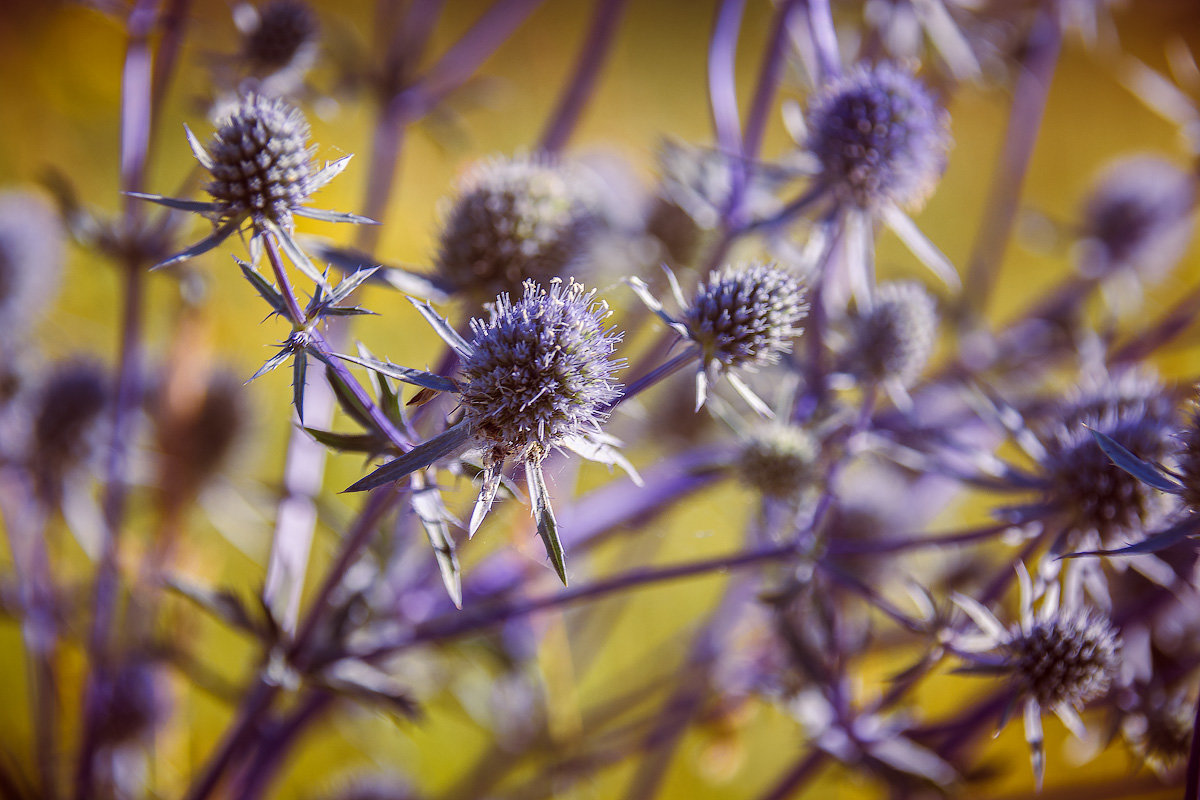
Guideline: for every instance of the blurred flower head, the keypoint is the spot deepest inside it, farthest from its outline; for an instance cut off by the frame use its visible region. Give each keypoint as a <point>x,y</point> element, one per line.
<point>879,137</point>
<point>278,35</point>
<point>778,460</point>
<point>894,339</point>
<point>1139,216</point>
<point>68,407</point>
<point>515,219</point>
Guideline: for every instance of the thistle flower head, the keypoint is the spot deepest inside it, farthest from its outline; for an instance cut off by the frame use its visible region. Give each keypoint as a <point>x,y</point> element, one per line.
<point>69,405</point>
<point>31,255</point>
<point>131,703</point>
<point>196,429</point>
<point>539,371</point>
<point>896,337</point>
<point>514,219</point>
<point>778,460</point>
<point>261,162</point>
<point>879,136</point>
<point>1159,730</point>
<point>1139,216</point>
<point>747,315</point>
<point>283,34</point>
<point>1070,658</point>
<point>1082,481</point>
<point>1059,657</point>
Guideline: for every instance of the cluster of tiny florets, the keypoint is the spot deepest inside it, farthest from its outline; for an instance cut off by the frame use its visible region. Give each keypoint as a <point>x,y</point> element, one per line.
<point>285,29</point>
<point>879,137</point>
<point>515,219</point>
<point>778,460</point>
<point>1083,481</point>
<point>895,339</point>
<point>262,163</point>
<point>540,371</point>
<point>1139,217</point>
<point>1071,658</point>
<point>1160,732</point>
<point>747,315</point>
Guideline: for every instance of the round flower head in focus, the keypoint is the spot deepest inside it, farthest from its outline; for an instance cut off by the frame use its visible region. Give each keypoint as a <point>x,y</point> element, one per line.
<point>261,162</point>
<point>540,371</point>
<point>1059,657</point>
<point>31,255</point>
<point>537,374</point>
<point>746,316</point>
<point>879,137</point>
<point>893,341</point>
<point>281,34</point>
<point>743,316</point>
<point>1140,216</point>
<point>512,220</point>
<point>778,460</point>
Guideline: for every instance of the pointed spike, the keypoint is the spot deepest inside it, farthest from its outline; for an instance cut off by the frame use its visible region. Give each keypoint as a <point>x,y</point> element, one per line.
<point>299,376</point>
<point>487,494</point>
<point>451,441</point>
<point>547,525</point>
<point>198,150</point>
<point>442,328</point>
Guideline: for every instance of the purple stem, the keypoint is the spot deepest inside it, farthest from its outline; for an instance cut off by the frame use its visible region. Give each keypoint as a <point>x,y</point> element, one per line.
<point>270,757</point>
<point>768,81</point>
<point>464,623</point>
<point>403,55</point>
<point>412,103</point>
<point>134,139</point>
<point>723,104</point>
<point>654,376</point>
<point>235,746</point>
<point>1024,122</point>
<point>801,773</point>
<point>820,24</point>
<point>601,33</point>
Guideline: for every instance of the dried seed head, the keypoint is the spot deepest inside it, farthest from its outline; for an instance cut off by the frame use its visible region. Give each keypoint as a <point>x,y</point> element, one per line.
<point>880,137</point>
<point>1139,216</point>
<point>515,219</point>
<point>68,407</point>
<point>778,460</point>
<point>895,339</point>
<point>1071,658</point>
<point>31,255</point>
<point>196,434</point>
<point>1160,731</point>
<point>284,34</point>
<point>1136,411</point>
<point>130,703</point>
<point>539,372</point>
<point>746,316</point>
<point>262,164</point>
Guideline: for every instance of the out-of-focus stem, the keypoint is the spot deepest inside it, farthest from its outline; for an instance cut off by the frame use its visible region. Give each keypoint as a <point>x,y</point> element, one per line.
<point>134,142</point>
<point>257,700</point>
<point>820,24</point>
<point>1024,122</point>
<point>465,623</point>
<point>801,773</point>
<point>270,756</point>
<point>417,99</point>
<point>654,376</point>
<point>601,32</point>
<point>768,80</point>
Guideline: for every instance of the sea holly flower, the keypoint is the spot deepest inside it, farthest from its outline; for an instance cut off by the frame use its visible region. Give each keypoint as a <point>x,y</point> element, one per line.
<point>742,316</point>
<point>278,37</point>
<point>512,220</point>
<point>537,374</point>
<point>262,174</point>
<point>876,139</point>
<point>893,340</point>
<point>1058,658</point>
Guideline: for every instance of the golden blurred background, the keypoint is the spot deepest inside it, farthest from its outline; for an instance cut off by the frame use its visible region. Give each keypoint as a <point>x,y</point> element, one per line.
<point>60,66</point>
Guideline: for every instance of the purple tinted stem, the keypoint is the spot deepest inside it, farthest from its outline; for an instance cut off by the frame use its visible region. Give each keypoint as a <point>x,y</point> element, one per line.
<point>601,33</point>
<point>801,773</point>
<point>820,24</point>
<point>1024,122</point>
